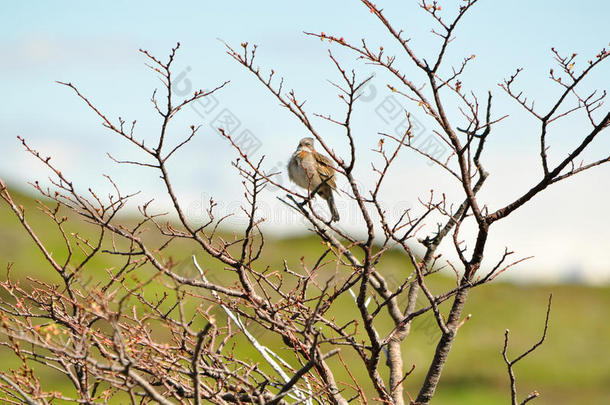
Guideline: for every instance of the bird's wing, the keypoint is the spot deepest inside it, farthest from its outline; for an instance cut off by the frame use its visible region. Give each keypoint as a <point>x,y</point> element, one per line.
<point>326,169</point>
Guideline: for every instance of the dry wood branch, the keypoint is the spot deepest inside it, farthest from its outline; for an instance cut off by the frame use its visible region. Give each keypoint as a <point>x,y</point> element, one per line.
<point>511,363</point>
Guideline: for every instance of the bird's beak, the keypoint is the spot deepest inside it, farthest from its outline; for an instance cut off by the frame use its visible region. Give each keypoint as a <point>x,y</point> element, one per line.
<point>304,148</point>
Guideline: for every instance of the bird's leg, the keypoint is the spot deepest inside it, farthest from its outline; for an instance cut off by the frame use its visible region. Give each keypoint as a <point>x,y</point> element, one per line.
<point>313,192</point>
<point>303,203</point>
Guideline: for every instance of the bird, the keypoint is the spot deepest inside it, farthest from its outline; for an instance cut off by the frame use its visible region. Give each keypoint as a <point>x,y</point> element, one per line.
<point>315,172</point>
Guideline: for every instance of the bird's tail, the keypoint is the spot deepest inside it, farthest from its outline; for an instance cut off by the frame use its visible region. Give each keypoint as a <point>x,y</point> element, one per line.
<point>332,207</point>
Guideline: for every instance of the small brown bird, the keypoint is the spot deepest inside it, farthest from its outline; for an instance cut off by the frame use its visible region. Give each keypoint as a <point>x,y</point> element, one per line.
<point>314,172</point>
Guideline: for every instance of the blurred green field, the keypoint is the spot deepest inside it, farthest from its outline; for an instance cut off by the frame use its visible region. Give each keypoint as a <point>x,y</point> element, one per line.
<point>572,367</point>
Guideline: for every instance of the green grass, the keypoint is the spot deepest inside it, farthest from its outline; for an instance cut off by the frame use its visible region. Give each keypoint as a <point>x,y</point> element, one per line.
<point>571,367</point>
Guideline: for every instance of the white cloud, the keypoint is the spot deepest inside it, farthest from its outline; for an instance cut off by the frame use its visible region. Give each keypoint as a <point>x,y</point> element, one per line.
<point>38,50</point>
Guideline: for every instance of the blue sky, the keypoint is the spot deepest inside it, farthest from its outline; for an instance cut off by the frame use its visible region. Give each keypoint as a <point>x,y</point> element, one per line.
<point>95,45</point>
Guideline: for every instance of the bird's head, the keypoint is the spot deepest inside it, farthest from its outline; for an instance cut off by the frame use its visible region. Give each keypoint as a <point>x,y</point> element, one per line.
<point>306,144</point>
